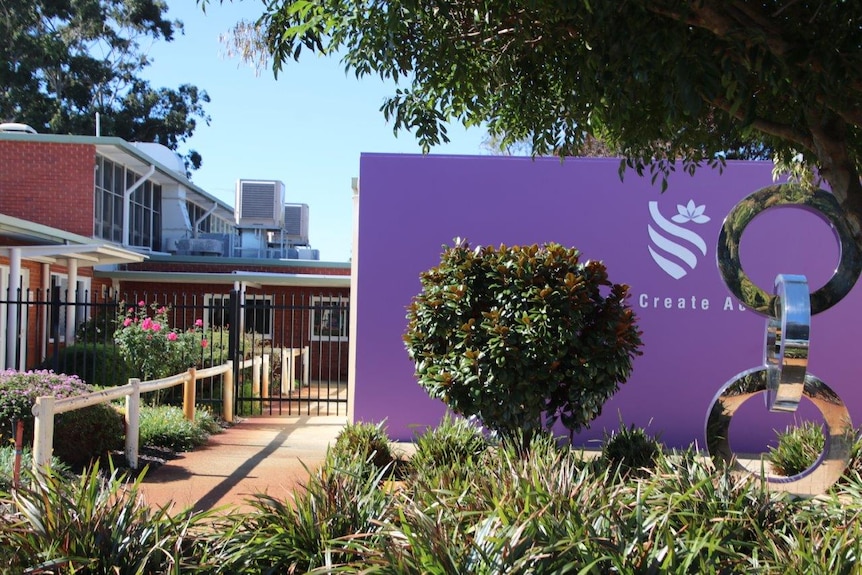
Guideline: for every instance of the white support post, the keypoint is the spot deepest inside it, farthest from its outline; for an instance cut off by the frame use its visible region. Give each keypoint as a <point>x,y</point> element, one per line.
<point>71,300</point>
<point>12,311</point>
<point>133,422</point>
<point>43,433</point>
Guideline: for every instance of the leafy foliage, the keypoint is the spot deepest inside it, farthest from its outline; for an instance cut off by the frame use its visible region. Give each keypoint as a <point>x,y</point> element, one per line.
<point>166,426</point>
<point>368,440</point>
<point>64,61</point>
<point>631,449</point>
<point>659,82</point>
<point>19,390</point>
<point>455,441</point>
<point>94,525</point>
<point>98,364</point>
<point>521,336</point>
<point>537,510</point>
<point>7,463</point>
<point>151,347</point>
<point>84,435</point>
<point>798,448</point>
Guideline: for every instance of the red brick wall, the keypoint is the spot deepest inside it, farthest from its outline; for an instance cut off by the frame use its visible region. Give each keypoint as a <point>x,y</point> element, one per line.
<point>48,183</point>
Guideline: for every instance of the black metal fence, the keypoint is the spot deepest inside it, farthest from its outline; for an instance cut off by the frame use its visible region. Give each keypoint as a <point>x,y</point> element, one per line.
<point>303,337</point>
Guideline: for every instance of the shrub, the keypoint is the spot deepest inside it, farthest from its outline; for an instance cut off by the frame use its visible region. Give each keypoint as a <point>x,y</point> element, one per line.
<point>166,426</point>
<point>19,390</point>
<point>366,441</point>
<point>798,448</point>
<point>83,435</point>
<point>150,347</point>
<point>101,365</point>
<point>456,445</point>
<point>631,450</point>
<point>521,336</point>
<point>94,525</point>
<point>7,466</point>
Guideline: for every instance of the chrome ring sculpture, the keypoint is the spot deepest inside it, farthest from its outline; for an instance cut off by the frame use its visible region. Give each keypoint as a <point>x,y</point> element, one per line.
<point>784,376</point>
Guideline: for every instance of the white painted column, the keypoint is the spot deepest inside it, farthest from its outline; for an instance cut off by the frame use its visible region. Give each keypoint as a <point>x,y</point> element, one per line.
<point>12,307</point>
<point>71,300</point>
<point>354,297</point>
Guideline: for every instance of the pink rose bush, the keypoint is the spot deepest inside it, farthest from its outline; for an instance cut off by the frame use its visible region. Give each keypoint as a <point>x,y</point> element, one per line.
<point>151,347</point>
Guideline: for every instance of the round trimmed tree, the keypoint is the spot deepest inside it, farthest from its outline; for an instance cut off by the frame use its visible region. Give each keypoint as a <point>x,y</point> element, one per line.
<point>521,336</point>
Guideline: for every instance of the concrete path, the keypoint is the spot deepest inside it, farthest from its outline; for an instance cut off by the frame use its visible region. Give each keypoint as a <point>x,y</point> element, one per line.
<point>258,455</point>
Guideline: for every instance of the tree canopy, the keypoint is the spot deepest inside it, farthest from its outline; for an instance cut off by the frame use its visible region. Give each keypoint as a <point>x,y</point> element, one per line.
<point>666,83</point>
<point>63,61</point>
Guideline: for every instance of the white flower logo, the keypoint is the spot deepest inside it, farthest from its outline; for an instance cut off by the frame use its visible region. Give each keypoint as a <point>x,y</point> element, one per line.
<point>690,213</point>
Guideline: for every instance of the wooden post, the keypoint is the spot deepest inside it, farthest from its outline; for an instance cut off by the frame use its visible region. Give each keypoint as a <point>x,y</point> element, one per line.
<point>43,433</point>
<point>255,376</point>
<point>19,446</point>
<point>227,393</point>
<point>265,375</point>
<point>189,386</point>
<point>133,422</point>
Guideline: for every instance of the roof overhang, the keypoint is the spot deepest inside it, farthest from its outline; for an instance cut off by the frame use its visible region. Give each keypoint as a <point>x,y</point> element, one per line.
<point>86,255</point>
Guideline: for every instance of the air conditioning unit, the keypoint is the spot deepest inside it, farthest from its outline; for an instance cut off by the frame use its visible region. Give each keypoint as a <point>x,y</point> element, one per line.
<point>259,204</point>
<point>296,224</point>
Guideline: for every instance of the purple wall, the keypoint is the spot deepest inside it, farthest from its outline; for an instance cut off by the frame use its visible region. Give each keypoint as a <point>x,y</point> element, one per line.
<point>411,205</point>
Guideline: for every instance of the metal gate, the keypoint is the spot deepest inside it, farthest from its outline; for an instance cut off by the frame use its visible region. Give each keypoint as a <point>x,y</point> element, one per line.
<point>302,336</point>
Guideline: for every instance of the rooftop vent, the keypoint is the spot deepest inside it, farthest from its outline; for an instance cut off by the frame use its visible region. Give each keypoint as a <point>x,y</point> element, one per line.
<point>259,204</point>
<point>296,224</point>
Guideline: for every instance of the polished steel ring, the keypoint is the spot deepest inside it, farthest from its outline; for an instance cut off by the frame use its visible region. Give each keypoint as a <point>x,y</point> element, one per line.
<point>819,202</point>
<point>787,342</point>
<point>814,480</point>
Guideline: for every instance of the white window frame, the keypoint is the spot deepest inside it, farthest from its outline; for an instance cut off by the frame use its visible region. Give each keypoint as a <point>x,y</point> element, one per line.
<point>341,320</point>
<point>225,298</point>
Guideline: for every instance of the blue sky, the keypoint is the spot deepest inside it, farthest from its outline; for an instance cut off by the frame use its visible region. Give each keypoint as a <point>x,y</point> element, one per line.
<point>307,129</point>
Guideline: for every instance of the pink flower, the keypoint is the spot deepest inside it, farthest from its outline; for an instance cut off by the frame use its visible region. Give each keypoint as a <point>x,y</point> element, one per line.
<point>131,310</point>
<point>146,324</point>
<point>204,343</point>
<point>199,323</point>
<point>172,336</point>
<point>156,326</point>
<point>162,309</point>
<point>127,322</point>
<point>142,303</point>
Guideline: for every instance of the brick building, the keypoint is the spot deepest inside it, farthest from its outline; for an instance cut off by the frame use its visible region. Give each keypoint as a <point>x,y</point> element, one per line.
<point>85,218</point>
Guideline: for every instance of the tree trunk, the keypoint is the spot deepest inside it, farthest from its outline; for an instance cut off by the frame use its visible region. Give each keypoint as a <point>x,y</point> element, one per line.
<point>830,140</point>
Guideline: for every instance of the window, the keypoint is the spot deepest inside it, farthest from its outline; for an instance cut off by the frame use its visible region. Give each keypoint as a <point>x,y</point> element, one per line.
<point>211,223</point>
<point>257,309</point>
<point>60,294</point>
<point>330,318</point>
<point>145,206</point>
